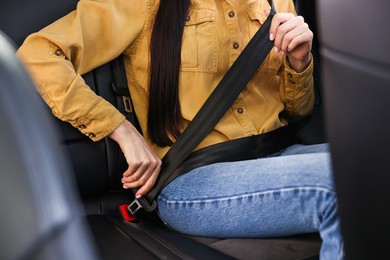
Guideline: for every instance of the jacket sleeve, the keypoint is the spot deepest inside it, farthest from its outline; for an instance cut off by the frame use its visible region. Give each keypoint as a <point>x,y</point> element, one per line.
<point>95,33</point>
<point>297,89</point>
<point>297,92</point>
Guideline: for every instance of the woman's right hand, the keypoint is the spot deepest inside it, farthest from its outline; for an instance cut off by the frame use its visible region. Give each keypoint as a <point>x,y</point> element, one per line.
<point>144,165</point>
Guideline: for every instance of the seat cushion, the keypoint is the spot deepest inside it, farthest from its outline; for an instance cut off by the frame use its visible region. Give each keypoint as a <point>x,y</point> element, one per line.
<point>149,238</point>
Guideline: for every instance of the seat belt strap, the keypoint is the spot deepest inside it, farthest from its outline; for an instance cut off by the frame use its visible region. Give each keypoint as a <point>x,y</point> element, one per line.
<point>121,89</point>
<point>226,92</point>
<point>246,148</point>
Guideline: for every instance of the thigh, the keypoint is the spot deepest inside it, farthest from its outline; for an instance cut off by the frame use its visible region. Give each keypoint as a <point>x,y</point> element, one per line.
<point>274,196</point>
<point>303,149</point>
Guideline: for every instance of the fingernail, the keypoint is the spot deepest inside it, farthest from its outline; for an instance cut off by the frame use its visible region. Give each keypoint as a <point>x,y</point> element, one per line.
<point>123,181</point>
<point>283,53</point>
<point>271,37</point>
<point>276,49</point>
<point>125,187</point>
<point>138,196</point>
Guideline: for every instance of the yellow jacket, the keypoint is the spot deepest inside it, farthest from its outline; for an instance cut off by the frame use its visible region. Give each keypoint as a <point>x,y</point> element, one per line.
<point>215,33</point>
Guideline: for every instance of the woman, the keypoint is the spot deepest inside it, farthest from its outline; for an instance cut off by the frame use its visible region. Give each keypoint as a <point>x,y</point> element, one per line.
<point>176,53</point>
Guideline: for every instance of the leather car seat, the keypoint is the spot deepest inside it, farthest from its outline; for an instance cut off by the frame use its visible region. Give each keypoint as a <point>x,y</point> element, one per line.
<point>355,40</point>
<point>40,211</point>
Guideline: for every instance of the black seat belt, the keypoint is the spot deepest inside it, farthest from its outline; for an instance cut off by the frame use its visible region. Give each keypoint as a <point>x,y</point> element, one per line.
<point>226,92</point>
<point>121,89</point>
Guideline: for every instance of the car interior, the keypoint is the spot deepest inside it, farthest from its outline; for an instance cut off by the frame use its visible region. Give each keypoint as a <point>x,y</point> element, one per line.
<point>66,204</point>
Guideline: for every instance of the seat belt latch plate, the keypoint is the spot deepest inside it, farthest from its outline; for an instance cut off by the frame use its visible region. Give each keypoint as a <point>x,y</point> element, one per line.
<point>134,207</point>
<point>138,204</point>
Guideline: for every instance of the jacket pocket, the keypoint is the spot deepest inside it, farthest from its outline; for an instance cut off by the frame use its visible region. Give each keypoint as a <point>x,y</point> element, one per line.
<point>274,61</point>
<point>199,48</point>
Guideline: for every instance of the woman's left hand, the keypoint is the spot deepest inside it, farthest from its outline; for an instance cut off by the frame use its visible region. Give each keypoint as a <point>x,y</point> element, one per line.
<point>292,36</point>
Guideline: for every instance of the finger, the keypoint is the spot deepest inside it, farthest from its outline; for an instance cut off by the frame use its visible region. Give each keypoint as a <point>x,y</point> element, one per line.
<point>290,36</point>
<point>284,29</point>
<point>154,169</point>
<point>143,167</point>
<point>148,179</point>
<point>134,163</point>
<point>130,170</point>
<point>149,183</point>
<point>130,183</point>
<point>139,161</point>
<point>267,11</point>
<point>277,20</point>
<point>146,166</point>
<point>305,37</point>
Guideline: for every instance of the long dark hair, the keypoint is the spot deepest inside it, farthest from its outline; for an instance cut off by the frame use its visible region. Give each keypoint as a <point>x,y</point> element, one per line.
<point>164,114</point>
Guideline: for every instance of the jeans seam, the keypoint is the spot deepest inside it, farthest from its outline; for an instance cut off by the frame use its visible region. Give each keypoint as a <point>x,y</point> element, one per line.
<point>239,196</point>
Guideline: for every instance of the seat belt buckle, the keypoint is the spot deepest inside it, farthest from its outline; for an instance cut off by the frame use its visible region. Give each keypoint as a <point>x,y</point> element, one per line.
<point>141,203</point>
<point>125,214</point>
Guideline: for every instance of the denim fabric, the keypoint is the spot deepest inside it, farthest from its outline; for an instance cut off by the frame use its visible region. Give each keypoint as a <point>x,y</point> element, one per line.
<point>290,192</point>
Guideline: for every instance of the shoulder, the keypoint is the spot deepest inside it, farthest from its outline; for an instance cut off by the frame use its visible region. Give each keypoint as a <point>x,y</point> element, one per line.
<point>129,8</point>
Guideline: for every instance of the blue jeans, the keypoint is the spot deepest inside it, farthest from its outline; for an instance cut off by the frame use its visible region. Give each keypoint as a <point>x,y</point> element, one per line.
<point>290,192</point>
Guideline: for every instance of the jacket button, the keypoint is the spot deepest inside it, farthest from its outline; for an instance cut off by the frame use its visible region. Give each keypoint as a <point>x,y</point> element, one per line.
<point>58,52</point>
<point>231,14</point>
<point>82,126</point>
<point>240,110</point>
<point>188,18</point>
<point>236,45</point>
<point>91,135</point>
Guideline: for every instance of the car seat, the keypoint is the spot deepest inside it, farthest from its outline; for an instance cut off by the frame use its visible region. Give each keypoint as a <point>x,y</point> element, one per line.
<point>103,163</point>
<point>40,212</point>
<point>355,40</point>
